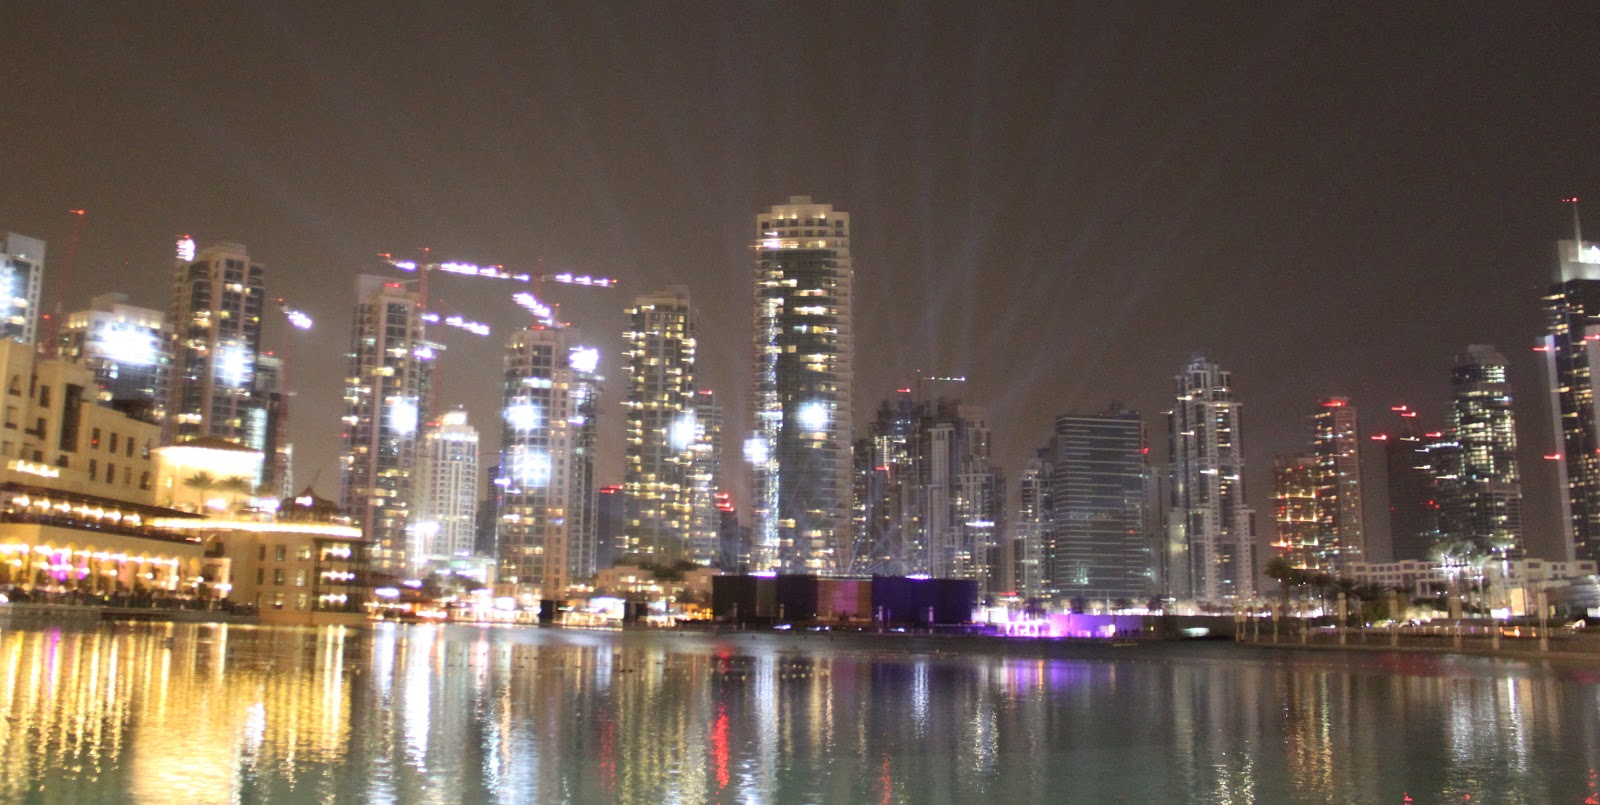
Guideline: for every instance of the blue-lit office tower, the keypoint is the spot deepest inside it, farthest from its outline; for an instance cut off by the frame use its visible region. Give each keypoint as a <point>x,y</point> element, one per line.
<point>1210,552</point>
<point>21,276</point>
<point>705,473</point>
<point>1572,353</point>
<point>126,348</point>
<point>543,427</point>
<point>214,341</point>
<point>661,427</point>
<point>1097,541</point>
<point>1483,494</point>
<point>800,447</point>
<point>585,552</point>
<point>385,393</point>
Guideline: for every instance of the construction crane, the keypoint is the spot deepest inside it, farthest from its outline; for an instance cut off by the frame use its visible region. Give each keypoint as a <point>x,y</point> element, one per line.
<point>530,301</point>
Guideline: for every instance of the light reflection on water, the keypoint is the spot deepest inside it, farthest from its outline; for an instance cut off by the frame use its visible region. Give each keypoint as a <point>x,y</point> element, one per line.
<point>443,714</point>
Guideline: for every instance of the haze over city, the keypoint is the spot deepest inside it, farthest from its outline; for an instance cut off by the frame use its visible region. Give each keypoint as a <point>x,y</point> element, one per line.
<point>1062,204</point>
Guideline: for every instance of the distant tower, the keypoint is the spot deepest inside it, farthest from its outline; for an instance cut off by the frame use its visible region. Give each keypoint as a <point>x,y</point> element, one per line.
<point>21,274</point>
<point>1336,446</point>
<point>1211,530</point>
<point>800,448</point>
<point>1097,545</point>
<point>953,494</point>
<point>1032,567</point>
<point>446,499</point>
<point>1295,498</point>
<point>705,473</point>
<point>126,348</point>
<point>215,318</point>
<point>1413,488</point>
<point>583,518</point>
<point>1484,504</point>
<point>272,430</point>
<point>385,392</point>
<point>661,424</point>
<point>1572,354</point>
<point>536,448</point>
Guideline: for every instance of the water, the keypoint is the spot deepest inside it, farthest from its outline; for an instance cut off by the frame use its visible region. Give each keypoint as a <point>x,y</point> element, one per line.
<point>203,714</point>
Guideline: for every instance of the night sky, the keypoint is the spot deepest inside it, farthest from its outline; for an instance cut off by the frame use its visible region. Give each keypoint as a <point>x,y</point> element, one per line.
<point>1063,203</point>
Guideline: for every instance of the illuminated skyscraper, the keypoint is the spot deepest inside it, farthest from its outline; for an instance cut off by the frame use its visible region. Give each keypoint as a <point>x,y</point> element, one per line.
<point>1028,535</point>
<point>705,473</point>
<point>126,348</point>
<point>1097,546</point>
<point>583,518</point>
<point>446,499</point>
<point>882,475</point>
<point>952,510</point>
<point>800,448</point>
<point>1336,446</point>
<point>1211,541</point>
<point>215,339</point>
<point>1294,488</point>
<point>385,393</point>
<point>1572,356</point>
<point>1483,504</point>
<point>661,425</point>
<point>536,454</point>
<point>21,275</point>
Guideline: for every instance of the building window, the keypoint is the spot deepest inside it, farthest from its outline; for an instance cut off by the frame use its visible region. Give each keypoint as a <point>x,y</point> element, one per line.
<point>94,438</point>
<point>113,442</point>
<point>305,553</point>
<point>111,473</point>
<point>144,480</point>
<point>277,578</point>
<point>44,396</point>
<point>261,553</point>
<point>261,576</point>
<point>279,553</point>
<point>300,578</point>
<point>93,469</point>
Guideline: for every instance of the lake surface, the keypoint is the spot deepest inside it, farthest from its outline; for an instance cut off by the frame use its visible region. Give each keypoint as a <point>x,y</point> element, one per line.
<point>176,714</point>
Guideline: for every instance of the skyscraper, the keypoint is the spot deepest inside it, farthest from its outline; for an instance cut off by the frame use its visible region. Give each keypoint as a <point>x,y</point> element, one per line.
<point>1097,545</point>
<point>271,428</point>
<point>705,474</point>
<point>21,275</point>
<point>800,450</point>
<point>1031,569</point>
<point>1211,531</point>
<point>126,348</point>
<point>1336,446</point>
<point>882,478</point>
<point>1413,488</point>
<point>661,425</point>
<point>1483,507</point>
<point>215,339</point>
<point>1294,482</point>
<point>583,526</point>
<point>953,494</point>
<point>385,393</point>
<point>1572,355</point>
<point>446,497</point>
<point>536,454</point>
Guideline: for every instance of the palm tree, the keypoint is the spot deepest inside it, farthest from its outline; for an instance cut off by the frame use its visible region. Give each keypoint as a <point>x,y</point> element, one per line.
<point>236,486</point>
<point>202,482</point>
<point>1280,569</point>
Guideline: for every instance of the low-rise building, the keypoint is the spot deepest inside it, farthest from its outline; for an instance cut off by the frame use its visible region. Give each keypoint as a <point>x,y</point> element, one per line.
<point>1509,587</point>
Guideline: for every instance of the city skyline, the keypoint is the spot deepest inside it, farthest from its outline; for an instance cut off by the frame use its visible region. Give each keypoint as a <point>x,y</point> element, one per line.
<point>952,255</point>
